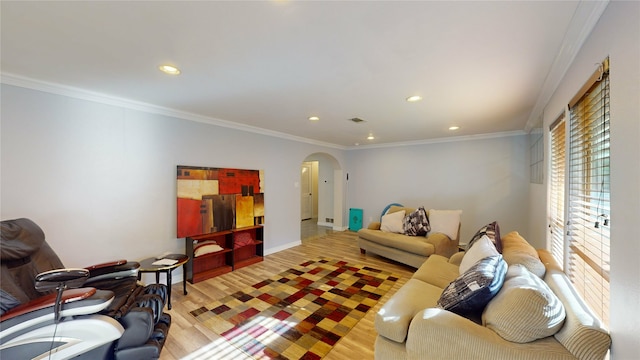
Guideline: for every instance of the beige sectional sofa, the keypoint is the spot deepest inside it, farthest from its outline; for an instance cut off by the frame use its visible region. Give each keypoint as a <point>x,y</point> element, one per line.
<point>521,321</point>
<point>412,250</point>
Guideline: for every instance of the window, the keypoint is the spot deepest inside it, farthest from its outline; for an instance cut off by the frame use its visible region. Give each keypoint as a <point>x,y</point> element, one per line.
<point>556,185</point>
<point>581,173</point>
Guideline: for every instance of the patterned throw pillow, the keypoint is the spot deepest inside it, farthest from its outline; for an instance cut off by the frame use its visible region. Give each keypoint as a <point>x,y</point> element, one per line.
<point>417,223</point>
<point>472,291</point>
<point>492,231</point>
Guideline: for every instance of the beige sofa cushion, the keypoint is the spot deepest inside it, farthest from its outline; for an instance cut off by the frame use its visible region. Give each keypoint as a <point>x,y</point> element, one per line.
<point>516,250</point>
<point>393,319</point>
<point>413,244</point>
<point>438,271</point>
<point>525,309</point>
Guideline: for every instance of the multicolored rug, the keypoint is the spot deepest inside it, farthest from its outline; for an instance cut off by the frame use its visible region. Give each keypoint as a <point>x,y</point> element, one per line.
<point>300,313</point>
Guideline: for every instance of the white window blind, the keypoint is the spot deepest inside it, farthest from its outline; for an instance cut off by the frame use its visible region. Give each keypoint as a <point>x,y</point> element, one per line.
<point>588,225</point>
<point>556,189</point>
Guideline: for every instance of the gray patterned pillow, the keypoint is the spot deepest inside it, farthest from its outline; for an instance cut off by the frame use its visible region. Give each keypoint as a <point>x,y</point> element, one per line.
<point>416,223</point>
<point>472,290</point>
<point>492,231</point>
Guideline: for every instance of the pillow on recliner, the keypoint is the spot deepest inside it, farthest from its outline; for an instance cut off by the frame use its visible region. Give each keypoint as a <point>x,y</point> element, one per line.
<point>417,223</point>
<point>393,222</point>
<point>7,302</point>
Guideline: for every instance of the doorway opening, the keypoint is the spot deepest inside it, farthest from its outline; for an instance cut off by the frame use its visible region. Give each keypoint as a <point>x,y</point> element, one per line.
<point>321,196</point>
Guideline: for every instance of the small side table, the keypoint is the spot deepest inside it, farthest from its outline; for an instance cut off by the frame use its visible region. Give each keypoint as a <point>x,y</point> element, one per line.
<point>146,266</point>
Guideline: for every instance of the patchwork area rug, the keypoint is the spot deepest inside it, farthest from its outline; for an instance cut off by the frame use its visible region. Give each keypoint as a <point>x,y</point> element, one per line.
<point>300,313</point>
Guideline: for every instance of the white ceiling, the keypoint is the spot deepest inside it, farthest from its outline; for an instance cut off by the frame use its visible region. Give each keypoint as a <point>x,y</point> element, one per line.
<point>484,66</point>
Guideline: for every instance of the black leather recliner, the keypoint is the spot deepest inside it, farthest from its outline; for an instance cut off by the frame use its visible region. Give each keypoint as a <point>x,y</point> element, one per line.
<point>43,312</point>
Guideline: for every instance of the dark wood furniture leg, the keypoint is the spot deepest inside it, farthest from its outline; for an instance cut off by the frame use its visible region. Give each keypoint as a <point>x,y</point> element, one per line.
<point>184,278</point>
<point>169,289</point>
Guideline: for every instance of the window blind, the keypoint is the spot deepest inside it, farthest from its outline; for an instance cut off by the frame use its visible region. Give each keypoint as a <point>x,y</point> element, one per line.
<point>556,189</point>
<point>588,226</point>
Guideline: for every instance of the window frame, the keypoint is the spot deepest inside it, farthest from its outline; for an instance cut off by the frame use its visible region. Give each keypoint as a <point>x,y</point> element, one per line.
<point>583,219</point>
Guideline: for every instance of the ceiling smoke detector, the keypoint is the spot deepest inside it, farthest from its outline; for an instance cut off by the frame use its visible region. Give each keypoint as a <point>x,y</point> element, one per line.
<point>356,120</point>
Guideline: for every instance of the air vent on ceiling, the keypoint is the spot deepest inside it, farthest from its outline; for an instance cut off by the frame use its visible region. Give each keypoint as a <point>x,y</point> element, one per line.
<point>356,120</point>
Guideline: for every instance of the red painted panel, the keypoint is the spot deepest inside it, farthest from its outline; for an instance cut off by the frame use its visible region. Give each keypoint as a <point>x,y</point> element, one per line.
<point>231,181</point>
<point>189,218</point>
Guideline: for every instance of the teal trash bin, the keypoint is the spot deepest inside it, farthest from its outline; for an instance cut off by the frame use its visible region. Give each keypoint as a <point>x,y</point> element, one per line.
<point>355,219</point>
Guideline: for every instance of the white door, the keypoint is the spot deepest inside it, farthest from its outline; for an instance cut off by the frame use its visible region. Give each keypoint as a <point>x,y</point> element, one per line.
<point>306,195</point>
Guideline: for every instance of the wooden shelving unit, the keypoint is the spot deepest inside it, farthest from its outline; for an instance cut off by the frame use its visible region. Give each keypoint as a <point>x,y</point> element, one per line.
<point>241,247</point>
<point>247,254</point>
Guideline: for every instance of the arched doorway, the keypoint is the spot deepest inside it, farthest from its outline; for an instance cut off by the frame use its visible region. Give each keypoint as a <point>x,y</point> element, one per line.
<point>321,196</point>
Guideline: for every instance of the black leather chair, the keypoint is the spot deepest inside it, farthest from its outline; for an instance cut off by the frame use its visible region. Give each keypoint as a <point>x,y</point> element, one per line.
<point>44,312</point>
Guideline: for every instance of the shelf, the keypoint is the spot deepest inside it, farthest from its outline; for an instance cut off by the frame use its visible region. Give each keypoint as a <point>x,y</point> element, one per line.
<point>214,254</point>
<point>246,262</point>
<point>214,264</point>
<point>208,274</point>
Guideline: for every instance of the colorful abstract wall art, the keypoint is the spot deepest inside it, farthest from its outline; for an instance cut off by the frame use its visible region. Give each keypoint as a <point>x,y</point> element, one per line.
<point>218,199</point>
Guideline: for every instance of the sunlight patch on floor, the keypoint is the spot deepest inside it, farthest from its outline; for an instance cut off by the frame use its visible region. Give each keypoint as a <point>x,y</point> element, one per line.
<point>218,349</point>
<point>221,349</point>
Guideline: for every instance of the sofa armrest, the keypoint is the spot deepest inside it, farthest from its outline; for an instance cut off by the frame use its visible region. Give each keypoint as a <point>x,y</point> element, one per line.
<point>442,244</point>
<point>456,258</point>
<point>374,225</point>
<point>394,317</point>
<point>440,334</point>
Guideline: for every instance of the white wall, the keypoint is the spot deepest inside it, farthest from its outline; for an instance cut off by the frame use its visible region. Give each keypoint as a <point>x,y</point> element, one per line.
<point>616,35</point>
<point>487,178</point>
<point>101,179</point>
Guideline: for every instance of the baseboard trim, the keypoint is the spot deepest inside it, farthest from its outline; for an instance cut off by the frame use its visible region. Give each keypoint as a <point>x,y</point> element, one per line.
<point>286,246</point>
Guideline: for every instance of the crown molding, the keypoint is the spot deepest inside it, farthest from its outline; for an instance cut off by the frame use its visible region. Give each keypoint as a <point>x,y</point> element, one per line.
<point>441,140</point>
<point>584,20</point>
<point>83,94</point>
<point>78,93</point>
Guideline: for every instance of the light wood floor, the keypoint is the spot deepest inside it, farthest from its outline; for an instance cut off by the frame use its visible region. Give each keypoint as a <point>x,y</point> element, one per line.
<point>188,339</point>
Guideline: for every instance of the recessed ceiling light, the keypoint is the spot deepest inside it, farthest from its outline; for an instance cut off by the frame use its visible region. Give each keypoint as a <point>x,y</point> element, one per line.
<point>314,118</point>
<point>414,98</point>
<point>370,137</point>
<point>454,128</point>
<point>169,69</point>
